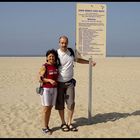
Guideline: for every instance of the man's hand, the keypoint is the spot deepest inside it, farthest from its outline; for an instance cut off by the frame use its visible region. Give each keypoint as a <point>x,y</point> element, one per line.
<point>93,63</point>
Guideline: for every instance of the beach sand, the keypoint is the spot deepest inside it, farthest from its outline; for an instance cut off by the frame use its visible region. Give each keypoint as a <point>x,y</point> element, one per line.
<point>115,99</point>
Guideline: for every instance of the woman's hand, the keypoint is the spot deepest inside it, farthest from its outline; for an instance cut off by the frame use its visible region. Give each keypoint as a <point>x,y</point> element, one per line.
<point>53,82</point>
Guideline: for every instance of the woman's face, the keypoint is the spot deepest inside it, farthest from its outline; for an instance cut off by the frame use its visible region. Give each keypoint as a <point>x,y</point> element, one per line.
<point>51,58</point>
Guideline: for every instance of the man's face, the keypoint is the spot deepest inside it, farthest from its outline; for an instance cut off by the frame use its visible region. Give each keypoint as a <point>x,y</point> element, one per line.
<point>63,44</point>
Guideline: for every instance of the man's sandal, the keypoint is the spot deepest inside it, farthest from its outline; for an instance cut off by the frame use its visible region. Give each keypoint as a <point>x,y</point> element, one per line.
<point>72,128</point>
<point>64,127</point>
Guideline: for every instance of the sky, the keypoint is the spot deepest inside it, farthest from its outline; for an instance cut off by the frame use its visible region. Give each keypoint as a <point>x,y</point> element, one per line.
<point>31,28</point>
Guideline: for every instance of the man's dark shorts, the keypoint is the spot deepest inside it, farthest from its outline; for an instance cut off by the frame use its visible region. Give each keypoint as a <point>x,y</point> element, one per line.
<point>66,94</point>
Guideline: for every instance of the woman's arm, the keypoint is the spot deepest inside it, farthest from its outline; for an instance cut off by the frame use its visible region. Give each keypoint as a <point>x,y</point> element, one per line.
<point>41,73</point>
<point>45,80</point>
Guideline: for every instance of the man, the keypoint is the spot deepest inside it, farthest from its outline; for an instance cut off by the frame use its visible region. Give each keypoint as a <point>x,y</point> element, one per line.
<point>66,83</point>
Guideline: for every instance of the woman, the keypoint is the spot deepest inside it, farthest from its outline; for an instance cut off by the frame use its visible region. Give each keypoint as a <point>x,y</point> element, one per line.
<point>48,77</point>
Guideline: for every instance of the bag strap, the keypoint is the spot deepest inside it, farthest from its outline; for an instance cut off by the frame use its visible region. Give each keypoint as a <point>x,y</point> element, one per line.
<point>71,52</point>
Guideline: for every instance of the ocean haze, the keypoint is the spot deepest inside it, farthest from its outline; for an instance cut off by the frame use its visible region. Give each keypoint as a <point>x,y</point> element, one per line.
<point>31,28</point>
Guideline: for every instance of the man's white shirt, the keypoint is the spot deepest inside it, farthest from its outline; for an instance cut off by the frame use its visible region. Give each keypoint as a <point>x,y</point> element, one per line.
<point>66,68</point>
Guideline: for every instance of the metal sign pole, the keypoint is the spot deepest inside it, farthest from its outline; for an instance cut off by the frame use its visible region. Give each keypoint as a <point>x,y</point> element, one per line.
<point>90,91</point>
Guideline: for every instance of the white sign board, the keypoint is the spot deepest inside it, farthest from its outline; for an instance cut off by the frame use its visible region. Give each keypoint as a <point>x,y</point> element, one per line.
<point>91,30</point>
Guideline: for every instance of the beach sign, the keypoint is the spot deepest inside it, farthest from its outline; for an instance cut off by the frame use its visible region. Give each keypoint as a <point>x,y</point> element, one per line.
<point>91,30</point>
<point>90,38</point>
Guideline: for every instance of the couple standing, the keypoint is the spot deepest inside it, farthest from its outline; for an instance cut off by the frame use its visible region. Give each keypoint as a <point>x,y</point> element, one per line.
<point>58,84</point>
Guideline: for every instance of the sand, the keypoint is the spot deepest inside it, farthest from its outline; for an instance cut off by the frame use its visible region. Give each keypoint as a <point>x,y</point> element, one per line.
<point>115,99</point>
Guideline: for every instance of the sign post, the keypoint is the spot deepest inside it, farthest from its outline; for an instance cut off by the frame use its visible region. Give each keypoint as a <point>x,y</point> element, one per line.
<point>90,91</point>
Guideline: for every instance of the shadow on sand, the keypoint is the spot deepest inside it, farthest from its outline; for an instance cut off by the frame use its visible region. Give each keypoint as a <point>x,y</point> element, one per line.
<point>101,118</point>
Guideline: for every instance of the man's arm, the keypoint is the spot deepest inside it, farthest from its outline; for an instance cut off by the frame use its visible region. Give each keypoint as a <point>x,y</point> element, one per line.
<point>79,59</point>
<point>83,61</point>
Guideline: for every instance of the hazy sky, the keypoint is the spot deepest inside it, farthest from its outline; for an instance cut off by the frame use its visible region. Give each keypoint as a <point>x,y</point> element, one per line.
<point>30,28</point>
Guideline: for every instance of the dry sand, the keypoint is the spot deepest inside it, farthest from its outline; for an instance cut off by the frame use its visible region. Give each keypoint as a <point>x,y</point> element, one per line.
<point>115,99</point>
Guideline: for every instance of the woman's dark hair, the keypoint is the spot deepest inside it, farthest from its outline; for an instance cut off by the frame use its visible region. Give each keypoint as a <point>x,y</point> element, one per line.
<point>54,52</point>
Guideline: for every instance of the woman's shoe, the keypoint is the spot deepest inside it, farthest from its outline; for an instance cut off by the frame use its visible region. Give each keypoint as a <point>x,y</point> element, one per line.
<point>47,130</point>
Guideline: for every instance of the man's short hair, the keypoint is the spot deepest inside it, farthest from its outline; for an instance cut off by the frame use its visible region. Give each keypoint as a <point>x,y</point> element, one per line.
<point>63,37</point>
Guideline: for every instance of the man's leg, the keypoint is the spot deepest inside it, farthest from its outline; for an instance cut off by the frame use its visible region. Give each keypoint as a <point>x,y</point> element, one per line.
<point>70,100</point>
<point>60,101</point>
<point>60,106</point>
<point>62,116</point>
<point>70,116</point>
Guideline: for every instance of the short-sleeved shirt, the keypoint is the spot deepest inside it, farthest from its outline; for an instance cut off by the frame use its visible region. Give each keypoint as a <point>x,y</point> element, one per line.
<point>50,73</point>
